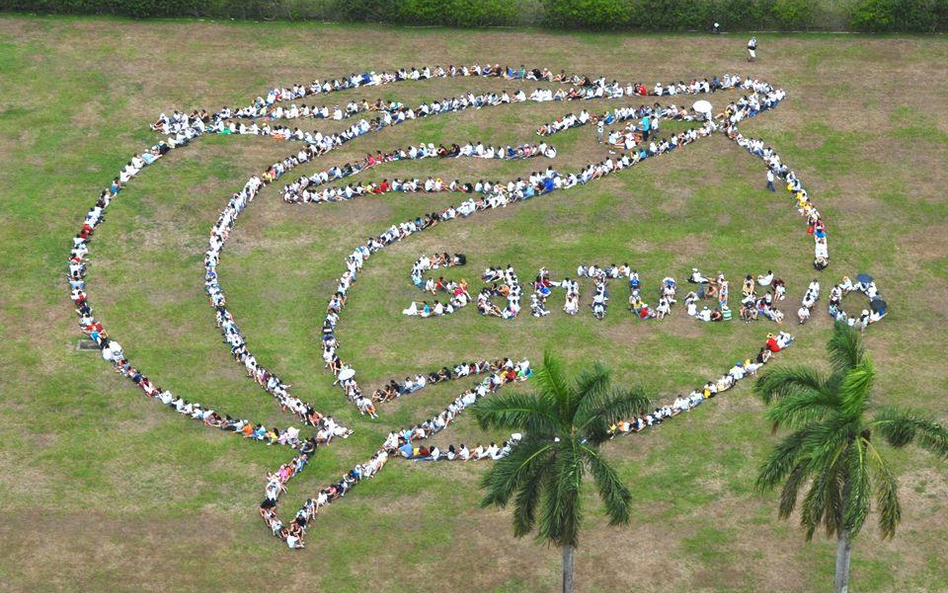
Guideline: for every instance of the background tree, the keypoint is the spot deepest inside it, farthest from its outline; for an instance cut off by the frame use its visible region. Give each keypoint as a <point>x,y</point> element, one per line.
<point>831,449</point>
<point>563,424</point>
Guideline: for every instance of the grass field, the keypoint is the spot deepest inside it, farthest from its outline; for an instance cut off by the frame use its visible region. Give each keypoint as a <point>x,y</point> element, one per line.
<point>103,490</point>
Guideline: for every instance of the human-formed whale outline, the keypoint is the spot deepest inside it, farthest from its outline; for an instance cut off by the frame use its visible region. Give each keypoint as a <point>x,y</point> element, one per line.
<point>184,129</point>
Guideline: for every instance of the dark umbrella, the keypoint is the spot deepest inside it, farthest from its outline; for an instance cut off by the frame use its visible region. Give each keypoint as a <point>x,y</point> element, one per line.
<point>864,278</point>
<point>878,305</point>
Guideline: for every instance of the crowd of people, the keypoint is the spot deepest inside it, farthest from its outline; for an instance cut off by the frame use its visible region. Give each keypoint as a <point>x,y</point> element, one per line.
<point>498,195</point>
<point>491,452</point>
<point>809,301</point>
<point>455,292</point>
<point>395,389</point>
<point>758,297</point>
<point>270,106</point>
<point>306,188</point>
<point>864,284</point>
<point>493,196</point>
<point>318,144</point>
<point>399,443</point>
<point>683,403</point>
<point>227,121</point>
<point>754,305</point>
<point>503,283</point>
<point>292,533</point>
<point>266,379</point>
<point>765,97</point>
<point>113,352</point>
<point>543,286</point>
<point>182,128</point>
<point>645,121</point>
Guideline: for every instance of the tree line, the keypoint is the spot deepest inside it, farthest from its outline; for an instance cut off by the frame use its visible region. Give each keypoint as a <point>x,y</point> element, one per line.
<point>919,16</point>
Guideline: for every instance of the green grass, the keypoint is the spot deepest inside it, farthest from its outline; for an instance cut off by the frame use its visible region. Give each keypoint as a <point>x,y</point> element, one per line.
<point>119,494</point>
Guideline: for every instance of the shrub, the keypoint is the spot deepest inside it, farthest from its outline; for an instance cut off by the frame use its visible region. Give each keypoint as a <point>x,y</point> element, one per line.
<point>481,13</point>
<point>642,15</point>
<point>742,15</point>
<point>793,14</point>
<point>926,16</point>
<point>589,14</point>
<point>874,15</point>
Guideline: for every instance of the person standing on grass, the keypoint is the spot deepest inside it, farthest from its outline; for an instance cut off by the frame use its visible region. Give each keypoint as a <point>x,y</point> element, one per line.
<point>752,49</point>
<point>600,127</point>
<point>770,180</point>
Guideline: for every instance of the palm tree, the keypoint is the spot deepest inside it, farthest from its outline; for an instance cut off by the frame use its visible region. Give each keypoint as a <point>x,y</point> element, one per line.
<point>563,424</point>
<point>831,448</point>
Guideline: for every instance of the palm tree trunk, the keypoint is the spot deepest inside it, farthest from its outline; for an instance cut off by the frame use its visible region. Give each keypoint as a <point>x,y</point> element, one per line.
<point>843,553</point>
<point>568,568</point>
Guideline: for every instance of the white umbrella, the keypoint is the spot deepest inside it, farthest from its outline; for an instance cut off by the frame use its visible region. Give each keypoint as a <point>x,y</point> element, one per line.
<point>702,106</point>
<point>346,374</point>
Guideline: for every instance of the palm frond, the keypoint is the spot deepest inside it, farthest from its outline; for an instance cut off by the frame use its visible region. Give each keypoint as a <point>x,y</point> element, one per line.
<point>561,512</point>
<point>791,489</point>
<point>802,408</point>
<point>823,502</point>
<point>902,427</point>
<point>534,414</point>
<point>592,387</point>
<point>858,488</point>
<point>886,492</point>
<point>812,509</point>
<point>781,382</point>
<point>596,415</point>
<point>856,388</point>
<point>826,445</point>
<point>614,494</point>
<point>507,475</point>
<point>550,380</point>
<point>826,442</point>
<point>528,497</point>
<point>782,460</point>
<point>845,347</point>
<point>833,518</point>
<point>595,379</point>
